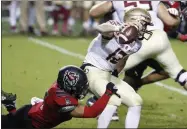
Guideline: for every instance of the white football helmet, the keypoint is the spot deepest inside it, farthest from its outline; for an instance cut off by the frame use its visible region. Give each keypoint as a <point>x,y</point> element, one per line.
<point>141,19</point>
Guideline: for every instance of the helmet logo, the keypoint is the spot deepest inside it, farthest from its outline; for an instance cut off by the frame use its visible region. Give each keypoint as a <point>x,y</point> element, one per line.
<point>70,78</point>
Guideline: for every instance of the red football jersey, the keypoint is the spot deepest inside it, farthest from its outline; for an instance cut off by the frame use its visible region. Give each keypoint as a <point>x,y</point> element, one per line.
<point>54,110</point>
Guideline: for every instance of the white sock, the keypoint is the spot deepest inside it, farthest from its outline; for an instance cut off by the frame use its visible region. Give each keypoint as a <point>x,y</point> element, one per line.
<point>106,116</point>
<point>12,10</point>
<point>133,117</point>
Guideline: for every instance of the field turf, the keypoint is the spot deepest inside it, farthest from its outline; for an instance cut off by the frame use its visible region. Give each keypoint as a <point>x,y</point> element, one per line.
<point>28,69</point>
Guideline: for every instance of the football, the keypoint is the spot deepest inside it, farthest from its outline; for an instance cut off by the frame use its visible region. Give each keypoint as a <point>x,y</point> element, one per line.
<point>129,35</point>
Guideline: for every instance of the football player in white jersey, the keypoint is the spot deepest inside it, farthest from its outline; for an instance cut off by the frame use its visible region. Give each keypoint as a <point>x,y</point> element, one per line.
<point>158,47</point>
<point>104,52</point>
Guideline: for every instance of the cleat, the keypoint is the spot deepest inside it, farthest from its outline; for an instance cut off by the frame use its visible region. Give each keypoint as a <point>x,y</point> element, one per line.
<point>8,100</point>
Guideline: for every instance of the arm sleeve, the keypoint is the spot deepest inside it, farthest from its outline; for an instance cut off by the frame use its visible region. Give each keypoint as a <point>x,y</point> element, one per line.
<point>110,26</point>
<point>107,29</point>
<point>97,107</point>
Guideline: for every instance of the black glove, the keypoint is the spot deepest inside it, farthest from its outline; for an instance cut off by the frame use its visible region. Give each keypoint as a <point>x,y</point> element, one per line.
<point>111,89</point>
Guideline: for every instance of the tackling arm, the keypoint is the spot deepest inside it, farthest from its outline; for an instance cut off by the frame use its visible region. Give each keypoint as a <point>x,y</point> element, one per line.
<point>166,17</point>
<point>100,9</point>
<point>98,107</point>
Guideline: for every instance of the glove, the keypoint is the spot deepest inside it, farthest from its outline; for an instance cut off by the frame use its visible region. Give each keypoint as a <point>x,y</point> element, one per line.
<point>173,11</point>
<point>115,73</point>
<point>111,89</point>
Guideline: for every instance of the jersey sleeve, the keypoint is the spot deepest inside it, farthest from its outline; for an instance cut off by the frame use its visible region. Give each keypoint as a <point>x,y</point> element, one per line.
<point>155,5</point>
<point>107,29</point>
<point>119,7</point>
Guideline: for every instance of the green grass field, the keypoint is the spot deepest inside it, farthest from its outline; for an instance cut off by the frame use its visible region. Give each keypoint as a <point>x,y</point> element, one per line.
<point>29,69</point>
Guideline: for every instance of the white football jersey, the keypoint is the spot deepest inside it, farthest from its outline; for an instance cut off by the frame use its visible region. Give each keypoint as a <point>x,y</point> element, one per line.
<point>151,6</point>
<point>105,54</point>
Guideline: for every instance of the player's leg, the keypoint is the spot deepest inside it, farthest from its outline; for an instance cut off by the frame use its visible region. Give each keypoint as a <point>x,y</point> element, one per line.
<point>131,99</point>
<point>19,119</point>
<point>24,15</point>
<point>31,18</point>
<point>128,96</point>
<point>15,118</point>
<point>55,15</point>
<point>167,58</point>
<point>40,16</point>
<point>66,13</point>
<point>13,19</point>
<point>86,18</point>
<point>97,86</point>
<point>8,100</point>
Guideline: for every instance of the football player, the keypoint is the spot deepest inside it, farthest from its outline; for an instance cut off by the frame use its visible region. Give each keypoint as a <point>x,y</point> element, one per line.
<point>60,103</point>
<point>114,43</point>
<point>158,46</point>
<point>134,77</point>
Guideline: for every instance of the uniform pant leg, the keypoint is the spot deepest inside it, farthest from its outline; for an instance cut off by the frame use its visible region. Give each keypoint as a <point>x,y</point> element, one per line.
<point>19,119</point>
<point>40,14</point>
<point>98,79</point>
<point>24,14</point>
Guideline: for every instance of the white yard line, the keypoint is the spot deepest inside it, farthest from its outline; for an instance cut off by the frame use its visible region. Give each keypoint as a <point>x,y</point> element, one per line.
<point>56,48</point>
<point>67,52</point>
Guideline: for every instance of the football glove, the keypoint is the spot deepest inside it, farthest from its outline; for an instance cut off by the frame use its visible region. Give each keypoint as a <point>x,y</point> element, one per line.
<point>111,89</point>
<point>173,11</point>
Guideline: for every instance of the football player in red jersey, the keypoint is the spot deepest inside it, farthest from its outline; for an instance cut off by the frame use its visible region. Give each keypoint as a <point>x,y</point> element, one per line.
<point>60,103</point>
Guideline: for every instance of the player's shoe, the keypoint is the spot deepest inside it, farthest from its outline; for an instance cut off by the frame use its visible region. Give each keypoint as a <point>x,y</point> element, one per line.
<point>115,116</point>
<point>182,37</point>
<point>8,100</point>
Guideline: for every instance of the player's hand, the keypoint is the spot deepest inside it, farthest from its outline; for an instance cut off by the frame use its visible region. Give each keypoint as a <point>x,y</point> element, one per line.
<point>173,12</point>
<point>111,89</point>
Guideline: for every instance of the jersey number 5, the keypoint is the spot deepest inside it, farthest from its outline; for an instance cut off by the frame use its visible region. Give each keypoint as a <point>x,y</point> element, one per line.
<point>117,55</point>
<point>140,4</point>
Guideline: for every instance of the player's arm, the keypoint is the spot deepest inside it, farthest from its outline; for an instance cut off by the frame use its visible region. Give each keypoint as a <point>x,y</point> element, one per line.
<point>170,16</point>
<point>101,9</point>
<point>97,107</point>
<point>108,28</point>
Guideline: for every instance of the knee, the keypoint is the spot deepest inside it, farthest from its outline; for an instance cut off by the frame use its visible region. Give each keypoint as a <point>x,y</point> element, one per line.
<point>114,100</point>
<point>136,100</point>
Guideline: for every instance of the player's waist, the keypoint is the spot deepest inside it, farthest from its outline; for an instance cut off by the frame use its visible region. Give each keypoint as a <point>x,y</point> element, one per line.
<point>84,65</point>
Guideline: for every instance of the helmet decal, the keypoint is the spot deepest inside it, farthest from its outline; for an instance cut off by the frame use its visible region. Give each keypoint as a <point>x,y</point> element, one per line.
<point>70,78</point>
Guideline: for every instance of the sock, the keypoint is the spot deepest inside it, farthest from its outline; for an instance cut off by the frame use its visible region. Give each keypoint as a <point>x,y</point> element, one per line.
<point>106,116</point>
<point>133,117</point>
